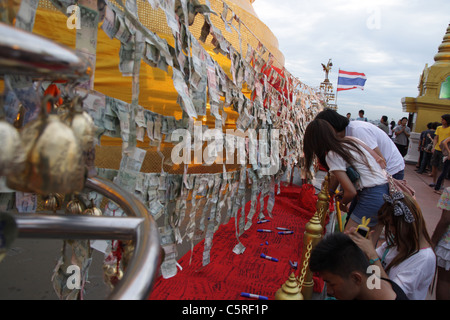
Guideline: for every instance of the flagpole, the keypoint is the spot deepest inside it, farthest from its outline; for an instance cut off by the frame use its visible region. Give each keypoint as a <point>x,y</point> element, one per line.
<point>337,84</point>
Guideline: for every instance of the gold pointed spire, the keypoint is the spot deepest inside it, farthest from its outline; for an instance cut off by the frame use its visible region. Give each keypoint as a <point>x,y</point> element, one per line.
<point>444,49</point>
<point>289,290</point>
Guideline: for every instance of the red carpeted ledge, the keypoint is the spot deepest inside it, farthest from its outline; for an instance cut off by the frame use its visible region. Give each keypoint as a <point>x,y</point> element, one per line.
<point>229,274</point>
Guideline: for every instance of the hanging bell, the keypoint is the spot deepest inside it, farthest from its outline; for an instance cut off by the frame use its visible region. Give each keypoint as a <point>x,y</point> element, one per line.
<point>53,157</point>
<point>92,210</point>
<point>75,206</point>
<point>83,128</point>
<point>53,202</point>
<point>112,274</point>
<point>80,122</point>
<point>12,155</point>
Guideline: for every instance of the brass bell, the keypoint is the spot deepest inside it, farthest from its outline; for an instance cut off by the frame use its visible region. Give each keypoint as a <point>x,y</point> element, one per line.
<point>75,206</point>
<point>53,202</point>
<point>53,158</point>
<point>82,125</point>
<point>12,155</point>
<point>80,122</point>
<point>92,210</point>
<point>112,274</point>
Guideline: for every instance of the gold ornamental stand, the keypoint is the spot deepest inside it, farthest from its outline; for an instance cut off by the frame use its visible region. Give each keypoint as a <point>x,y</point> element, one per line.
<point>301,288</point>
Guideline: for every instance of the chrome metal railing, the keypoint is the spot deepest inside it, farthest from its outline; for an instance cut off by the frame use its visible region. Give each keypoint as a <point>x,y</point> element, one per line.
<point>139,226</point>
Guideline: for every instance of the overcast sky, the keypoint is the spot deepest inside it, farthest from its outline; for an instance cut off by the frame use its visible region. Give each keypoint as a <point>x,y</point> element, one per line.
<point>388,40</point>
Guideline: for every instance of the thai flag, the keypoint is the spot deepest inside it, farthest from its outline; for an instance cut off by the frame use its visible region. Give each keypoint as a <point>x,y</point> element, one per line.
<point>350,80</point>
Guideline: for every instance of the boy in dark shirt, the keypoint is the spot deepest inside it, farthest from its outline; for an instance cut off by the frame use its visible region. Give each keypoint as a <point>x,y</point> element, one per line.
<point>347,272</point>
<point>428,137</point>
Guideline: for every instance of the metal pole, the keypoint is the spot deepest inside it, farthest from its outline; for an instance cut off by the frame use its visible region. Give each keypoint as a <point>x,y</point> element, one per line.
<point>76,227</point>
<point>337,90</point>
<point>139,226</point>
<point>141,272</point>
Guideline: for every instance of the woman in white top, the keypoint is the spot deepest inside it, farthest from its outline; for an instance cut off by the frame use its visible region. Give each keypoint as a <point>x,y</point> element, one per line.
<point>337,154</point>
<point>372,136</point>
<point>406,257</point>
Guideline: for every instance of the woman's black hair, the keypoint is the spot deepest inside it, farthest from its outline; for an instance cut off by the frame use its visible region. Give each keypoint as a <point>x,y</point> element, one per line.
<point>337,121</point>
<point>446,117</point>
<point>320,138</point>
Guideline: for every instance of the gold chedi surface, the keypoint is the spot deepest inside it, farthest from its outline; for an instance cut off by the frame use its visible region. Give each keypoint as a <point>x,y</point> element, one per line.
<point>156,88</point>
<point>432,101</point>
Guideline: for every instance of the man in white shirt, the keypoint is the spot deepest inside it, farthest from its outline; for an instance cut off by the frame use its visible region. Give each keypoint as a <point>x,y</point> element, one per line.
<point>371,135</point>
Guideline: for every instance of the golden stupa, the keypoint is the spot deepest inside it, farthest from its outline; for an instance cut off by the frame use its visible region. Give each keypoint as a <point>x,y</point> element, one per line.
<point>156,88</point>
<point>434,89</point>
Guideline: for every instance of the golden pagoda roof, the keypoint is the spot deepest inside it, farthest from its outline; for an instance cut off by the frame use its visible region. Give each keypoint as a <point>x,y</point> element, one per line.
<point>432,103</point>
<point>444,49</point>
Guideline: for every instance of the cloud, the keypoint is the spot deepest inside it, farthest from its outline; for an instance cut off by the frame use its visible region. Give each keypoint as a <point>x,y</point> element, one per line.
<point>389,40</point>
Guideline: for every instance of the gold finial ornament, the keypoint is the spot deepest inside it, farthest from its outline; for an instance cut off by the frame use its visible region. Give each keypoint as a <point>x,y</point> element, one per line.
<point>290,290</point>
<point>444,49</point>
<point>313,234</point>
<point>314,226</point>
<point>323,201</point>
<point>433,95</point>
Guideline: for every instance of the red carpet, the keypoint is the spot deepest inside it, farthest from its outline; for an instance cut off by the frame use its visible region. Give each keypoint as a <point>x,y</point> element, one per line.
<point>229,274</point>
